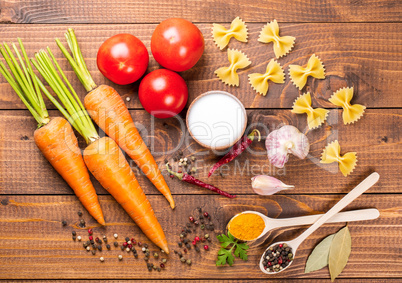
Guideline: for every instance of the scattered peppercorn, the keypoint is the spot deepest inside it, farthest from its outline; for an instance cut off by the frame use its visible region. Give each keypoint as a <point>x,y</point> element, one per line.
<point>91,238</point>
<point>191,219</point>
<point>189,261</point>
<point>182,259</point>
<point>206,247</point>
<point>158,269</point>
<point>120,257</point>
<point>162,265</point>
<point>100,248</point>
<point>74,233</point>
<point>108,246</point>
<point>156,255</point>
<point>139,244</point>
<point>196,222</point>
<point>128,249</point>
<point>64,223</point>
<point>115,236</point>
<point>88,249</point>
<point>93,252</point>
<point>115,244</point>
<point>202,227</point>
<point>101,259</point>
<point>79,238</point>
<point>197,249</point>
<point>82,223</point>
<point>90,231</point>
<point>127,239</point>
<point>206,214</point>
<point>74,238</point>
<point>79,213</point>
<point>146,258</point>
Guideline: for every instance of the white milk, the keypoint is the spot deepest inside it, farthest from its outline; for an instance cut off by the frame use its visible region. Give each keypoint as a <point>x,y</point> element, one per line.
<point>216,120</point>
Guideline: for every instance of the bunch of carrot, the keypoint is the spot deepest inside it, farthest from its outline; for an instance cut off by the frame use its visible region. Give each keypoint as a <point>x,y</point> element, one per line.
<point>102,156</point>
<point>54,137</point>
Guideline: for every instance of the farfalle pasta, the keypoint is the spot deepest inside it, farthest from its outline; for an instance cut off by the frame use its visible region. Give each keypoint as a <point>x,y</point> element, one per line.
<point>315,117</point>
<point>238,60</point>
<point>222,36</point>
<point>332,153</point>
<point>274,72</point>
<point>282,44</point>
<point>299,74</point>
<point>342,98</point>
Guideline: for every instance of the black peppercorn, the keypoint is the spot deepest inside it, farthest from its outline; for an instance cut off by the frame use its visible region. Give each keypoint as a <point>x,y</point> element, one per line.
<point>79,213</point>
<point>93,252</point>
<point>100,248</point>
<point>64,223</point>
<point>74,233</point>
<point>108,246</point>
<point>74,238</point>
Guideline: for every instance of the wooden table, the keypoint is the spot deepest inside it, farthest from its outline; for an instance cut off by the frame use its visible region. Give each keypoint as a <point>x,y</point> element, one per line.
<point>360,44</point>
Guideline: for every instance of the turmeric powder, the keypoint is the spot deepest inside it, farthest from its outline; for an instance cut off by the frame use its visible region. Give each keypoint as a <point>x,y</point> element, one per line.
<point>246,226</point>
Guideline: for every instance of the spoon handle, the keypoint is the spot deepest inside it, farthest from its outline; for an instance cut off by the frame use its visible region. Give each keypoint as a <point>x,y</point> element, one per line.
<point>346,216</point>
<point>352,195</point>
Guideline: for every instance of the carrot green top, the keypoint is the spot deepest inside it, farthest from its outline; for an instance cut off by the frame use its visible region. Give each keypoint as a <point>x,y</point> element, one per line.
<point>74,111</point>
<point>24,82</point>
<point>78,62</point>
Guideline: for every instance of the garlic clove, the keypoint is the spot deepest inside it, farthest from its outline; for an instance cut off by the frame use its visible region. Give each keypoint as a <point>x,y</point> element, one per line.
<point>267,185</point>
<point>281,142</point>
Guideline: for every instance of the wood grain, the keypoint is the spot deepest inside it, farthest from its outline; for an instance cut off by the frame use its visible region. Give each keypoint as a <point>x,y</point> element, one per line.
<point>365,56</point>
<point>125,11</point>
<point>23,170</point>
<point>34,244</point>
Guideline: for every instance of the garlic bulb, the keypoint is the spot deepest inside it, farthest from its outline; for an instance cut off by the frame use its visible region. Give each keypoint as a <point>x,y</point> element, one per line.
<point>283,141</point>
<point>267,185</point>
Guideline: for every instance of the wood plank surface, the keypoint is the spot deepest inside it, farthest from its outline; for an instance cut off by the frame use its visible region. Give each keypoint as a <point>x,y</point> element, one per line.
<point>365,56</point>
<point>375,138</point>
<point>34,245</point>
<point>126,11</point>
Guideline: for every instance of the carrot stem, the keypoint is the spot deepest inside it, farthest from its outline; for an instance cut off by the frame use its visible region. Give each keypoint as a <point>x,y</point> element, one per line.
<point>76,113</point>
<point>77,63</point>
<point>23,81</point>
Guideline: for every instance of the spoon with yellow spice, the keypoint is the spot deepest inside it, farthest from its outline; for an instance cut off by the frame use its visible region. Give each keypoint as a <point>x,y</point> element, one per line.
<point>253,225</point>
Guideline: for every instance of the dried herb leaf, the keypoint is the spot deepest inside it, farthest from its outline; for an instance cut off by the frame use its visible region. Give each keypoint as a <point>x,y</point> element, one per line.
<point>339,252</point>
<point>319,256</point>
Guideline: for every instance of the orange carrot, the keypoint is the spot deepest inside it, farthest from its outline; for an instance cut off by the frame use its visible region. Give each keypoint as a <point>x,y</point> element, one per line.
<point>106,162</point>
<point>107,109</point>
<point>54,137</point>
<point>102,156</point>
<point>57,142</point>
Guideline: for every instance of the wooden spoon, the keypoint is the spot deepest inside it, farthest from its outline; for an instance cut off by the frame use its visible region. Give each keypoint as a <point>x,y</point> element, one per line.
<point>352,195</point>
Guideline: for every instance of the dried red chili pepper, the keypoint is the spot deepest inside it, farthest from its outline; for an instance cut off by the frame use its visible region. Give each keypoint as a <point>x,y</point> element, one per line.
<point>191,180</point>
<point>236,150</point>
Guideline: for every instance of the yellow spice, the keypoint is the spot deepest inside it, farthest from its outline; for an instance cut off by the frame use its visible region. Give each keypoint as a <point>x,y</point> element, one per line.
<point>246,226</point>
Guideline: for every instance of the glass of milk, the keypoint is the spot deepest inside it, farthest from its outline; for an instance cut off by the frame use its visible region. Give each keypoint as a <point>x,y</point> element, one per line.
<point>216,119</point>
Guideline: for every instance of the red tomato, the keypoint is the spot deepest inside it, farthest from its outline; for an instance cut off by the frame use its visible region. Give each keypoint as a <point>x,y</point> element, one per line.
<point>177,44</point>
<point>123,59</point>
<point>163,93</point>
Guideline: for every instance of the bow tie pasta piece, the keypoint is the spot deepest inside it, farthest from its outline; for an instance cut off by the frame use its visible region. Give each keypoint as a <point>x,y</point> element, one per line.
<point>299,74</point>
<point>282,44</point>
<point>238,60</point>
<point>342,98</point>
<point>222,36</point>
<point>274,72</point>
<point>315,117</point>
<point>347,162</point>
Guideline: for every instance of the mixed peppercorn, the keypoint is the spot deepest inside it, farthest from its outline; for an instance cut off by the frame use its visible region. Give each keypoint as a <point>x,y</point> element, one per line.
<point>204,223</point>
<point>277,257</point>
<point>95,244</point>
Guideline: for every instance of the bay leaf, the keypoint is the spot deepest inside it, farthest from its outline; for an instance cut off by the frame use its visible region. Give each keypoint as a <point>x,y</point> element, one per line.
<point>319,256</point>
<point>339,252</point>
